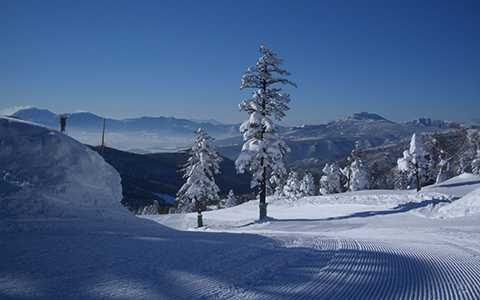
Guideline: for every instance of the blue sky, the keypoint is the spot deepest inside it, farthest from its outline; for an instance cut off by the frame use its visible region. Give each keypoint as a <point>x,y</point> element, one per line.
<point>402,59</point>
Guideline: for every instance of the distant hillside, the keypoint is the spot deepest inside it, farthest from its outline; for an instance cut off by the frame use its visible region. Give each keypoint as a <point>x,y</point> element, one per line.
<point>456,145</point>
<point>313,145</point>
<point>148,177</point>
<point>145,134</point>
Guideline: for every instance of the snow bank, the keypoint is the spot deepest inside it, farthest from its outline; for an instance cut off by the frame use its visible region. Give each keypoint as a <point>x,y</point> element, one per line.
<point>46,174</point>
<point>465,206</point>
<point>457,186</point>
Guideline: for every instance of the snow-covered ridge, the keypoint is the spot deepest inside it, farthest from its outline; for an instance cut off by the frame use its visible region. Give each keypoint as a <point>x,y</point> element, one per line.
<point>46,174</point>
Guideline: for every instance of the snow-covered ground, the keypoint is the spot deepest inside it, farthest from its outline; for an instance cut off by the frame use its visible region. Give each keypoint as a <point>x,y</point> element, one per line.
<point>360,245</point>
<point>377,244</point>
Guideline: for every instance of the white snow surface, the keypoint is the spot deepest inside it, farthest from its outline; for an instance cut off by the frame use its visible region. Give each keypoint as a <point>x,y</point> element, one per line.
<point>384,244</point>
<point>465,206</point>
<point>357,245</point>
<point>45,174</point>
<point>468,204</point>
<point>457,186</point>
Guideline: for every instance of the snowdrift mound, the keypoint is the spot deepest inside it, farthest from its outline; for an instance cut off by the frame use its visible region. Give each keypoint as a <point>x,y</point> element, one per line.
<point>44,173</point>
<point>457,186</point>
<point>465,206</point>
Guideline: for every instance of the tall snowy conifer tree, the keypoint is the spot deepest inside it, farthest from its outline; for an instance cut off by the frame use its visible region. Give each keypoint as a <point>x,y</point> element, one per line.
<point>263,151</point>
<point>200,186</point>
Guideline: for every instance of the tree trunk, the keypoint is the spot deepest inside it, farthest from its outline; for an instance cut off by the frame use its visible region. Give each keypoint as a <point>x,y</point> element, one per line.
<point>103,137</point>
<point>349,179</point>
<point>199,214</point>
<point>263,194</point>
<point>263,186</point>
<point>199,219</point>
<point>417,177</point>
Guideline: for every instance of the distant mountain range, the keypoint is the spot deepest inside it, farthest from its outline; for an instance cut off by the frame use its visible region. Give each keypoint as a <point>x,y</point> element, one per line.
<point>144,134</point>
<point>309,143</point>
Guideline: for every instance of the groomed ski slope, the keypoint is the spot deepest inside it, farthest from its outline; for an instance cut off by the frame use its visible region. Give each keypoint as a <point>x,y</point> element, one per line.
<point>147,261</point>
<point>366,245</point>
<point>60,241</point>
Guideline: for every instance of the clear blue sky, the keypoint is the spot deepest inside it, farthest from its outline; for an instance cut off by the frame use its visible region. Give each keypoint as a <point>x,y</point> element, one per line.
<point>402,59</point>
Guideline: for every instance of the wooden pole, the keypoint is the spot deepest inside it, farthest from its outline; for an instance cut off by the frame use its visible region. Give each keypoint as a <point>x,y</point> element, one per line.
<point>63,123</point>
<point>103,137</point>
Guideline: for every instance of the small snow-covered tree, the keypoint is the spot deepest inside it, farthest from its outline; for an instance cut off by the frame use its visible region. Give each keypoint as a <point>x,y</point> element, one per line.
<point>462,165</point>
<point>307,185</point>
<point>443,168</point>
<point>330,182</point>
<point>277,182</point>
<point>359,179</point>
<point>476,164</point>
<point>263,151</point>
<point>467,152</point>
<point>231,199</point>
<point>152,209</point>
<point>355,175</point>
<point>414,163</point>
<point>400,179</point>
<point>200,186</point>
<point>346,175</point>
<point>292,190</point>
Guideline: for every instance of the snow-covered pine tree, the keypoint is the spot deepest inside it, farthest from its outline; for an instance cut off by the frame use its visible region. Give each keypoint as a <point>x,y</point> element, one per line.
<point>462,165</point>
<point>414,162</point>
<point>152,209</point>
<point>443,168</point>
<point>330,182</point>
<point>276,182</point>
<point>467,152</point>
<point>307,185</point>
<point>476,164</point>
<point>346,175</point>
<point>292,190</point>
<point>400,179</point>
<point>359,179</point>
<point>231,199</point>
<point>355,175</point>
<point>200,186</point>
<point>263,151</point>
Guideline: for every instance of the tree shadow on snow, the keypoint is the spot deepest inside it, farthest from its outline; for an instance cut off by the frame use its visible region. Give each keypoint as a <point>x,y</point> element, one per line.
<point>401,208</point>
<point>460,184</point>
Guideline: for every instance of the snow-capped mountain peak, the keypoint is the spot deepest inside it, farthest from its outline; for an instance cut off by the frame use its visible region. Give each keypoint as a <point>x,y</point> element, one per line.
<point>366,116</point>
